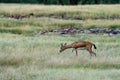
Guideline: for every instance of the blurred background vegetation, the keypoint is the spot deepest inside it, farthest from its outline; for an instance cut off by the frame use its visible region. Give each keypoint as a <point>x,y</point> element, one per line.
<point>63,2</point>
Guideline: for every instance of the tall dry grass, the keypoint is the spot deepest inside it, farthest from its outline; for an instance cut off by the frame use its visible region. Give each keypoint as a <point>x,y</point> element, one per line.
<point>80,12</point>
<point>39,58</point>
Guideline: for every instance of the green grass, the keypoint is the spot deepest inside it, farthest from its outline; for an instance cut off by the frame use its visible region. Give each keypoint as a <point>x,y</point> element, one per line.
<point>29,73</point>
<point>73,12</point>
<point>73,74</point>
<point>54,17</point>
<point>34,25</point>
<point>24,57</point>
<point>30,58</point>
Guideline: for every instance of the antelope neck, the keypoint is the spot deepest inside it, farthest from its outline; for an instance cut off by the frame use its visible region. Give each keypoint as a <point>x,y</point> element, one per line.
<point>68,46</point>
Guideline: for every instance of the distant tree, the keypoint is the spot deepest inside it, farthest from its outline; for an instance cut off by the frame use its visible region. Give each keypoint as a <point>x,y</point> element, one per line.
<point>96,2</point>
<point>74,2</point>
<point>10,1</point>
<point>61,2</point>
<point>29,1</point>
<point>83,1</point>
<point>45,1</point>
<point>40,1</point>
<point>66,2</point>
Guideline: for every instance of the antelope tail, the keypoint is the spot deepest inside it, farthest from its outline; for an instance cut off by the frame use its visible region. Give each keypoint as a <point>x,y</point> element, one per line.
<point>94,46</point>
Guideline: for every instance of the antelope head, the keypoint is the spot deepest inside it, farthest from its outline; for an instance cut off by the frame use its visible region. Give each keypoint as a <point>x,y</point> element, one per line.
<point>62,48</point>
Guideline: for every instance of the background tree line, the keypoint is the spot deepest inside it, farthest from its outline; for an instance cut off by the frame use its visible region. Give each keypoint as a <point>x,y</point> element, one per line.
<point>63,2</point>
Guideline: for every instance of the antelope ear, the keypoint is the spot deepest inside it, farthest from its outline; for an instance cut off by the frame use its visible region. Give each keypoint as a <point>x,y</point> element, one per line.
<point>65,44</point>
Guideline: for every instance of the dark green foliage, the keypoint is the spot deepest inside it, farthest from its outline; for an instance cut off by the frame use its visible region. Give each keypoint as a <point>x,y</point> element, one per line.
<point>74,2</point>
<point>18,1</point>
<point>63,2</point>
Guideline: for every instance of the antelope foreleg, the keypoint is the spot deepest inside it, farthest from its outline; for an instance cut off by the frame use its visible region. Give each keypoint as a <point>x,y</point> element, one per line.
<point>76,52</point>
<point>73,49</point>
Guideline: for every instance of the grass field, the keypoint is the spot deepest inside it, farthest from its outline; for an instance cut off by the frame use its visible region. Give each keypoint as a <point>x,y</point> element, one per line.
<point>30,58</point>
<point>25,56</point>
<point>80,12</point>
<point>55,17</point>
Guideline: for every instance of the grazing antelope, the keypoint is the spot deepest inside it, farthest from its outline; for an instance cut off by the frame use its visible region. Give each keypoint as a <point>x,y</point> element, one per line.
<point>79,44</point>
